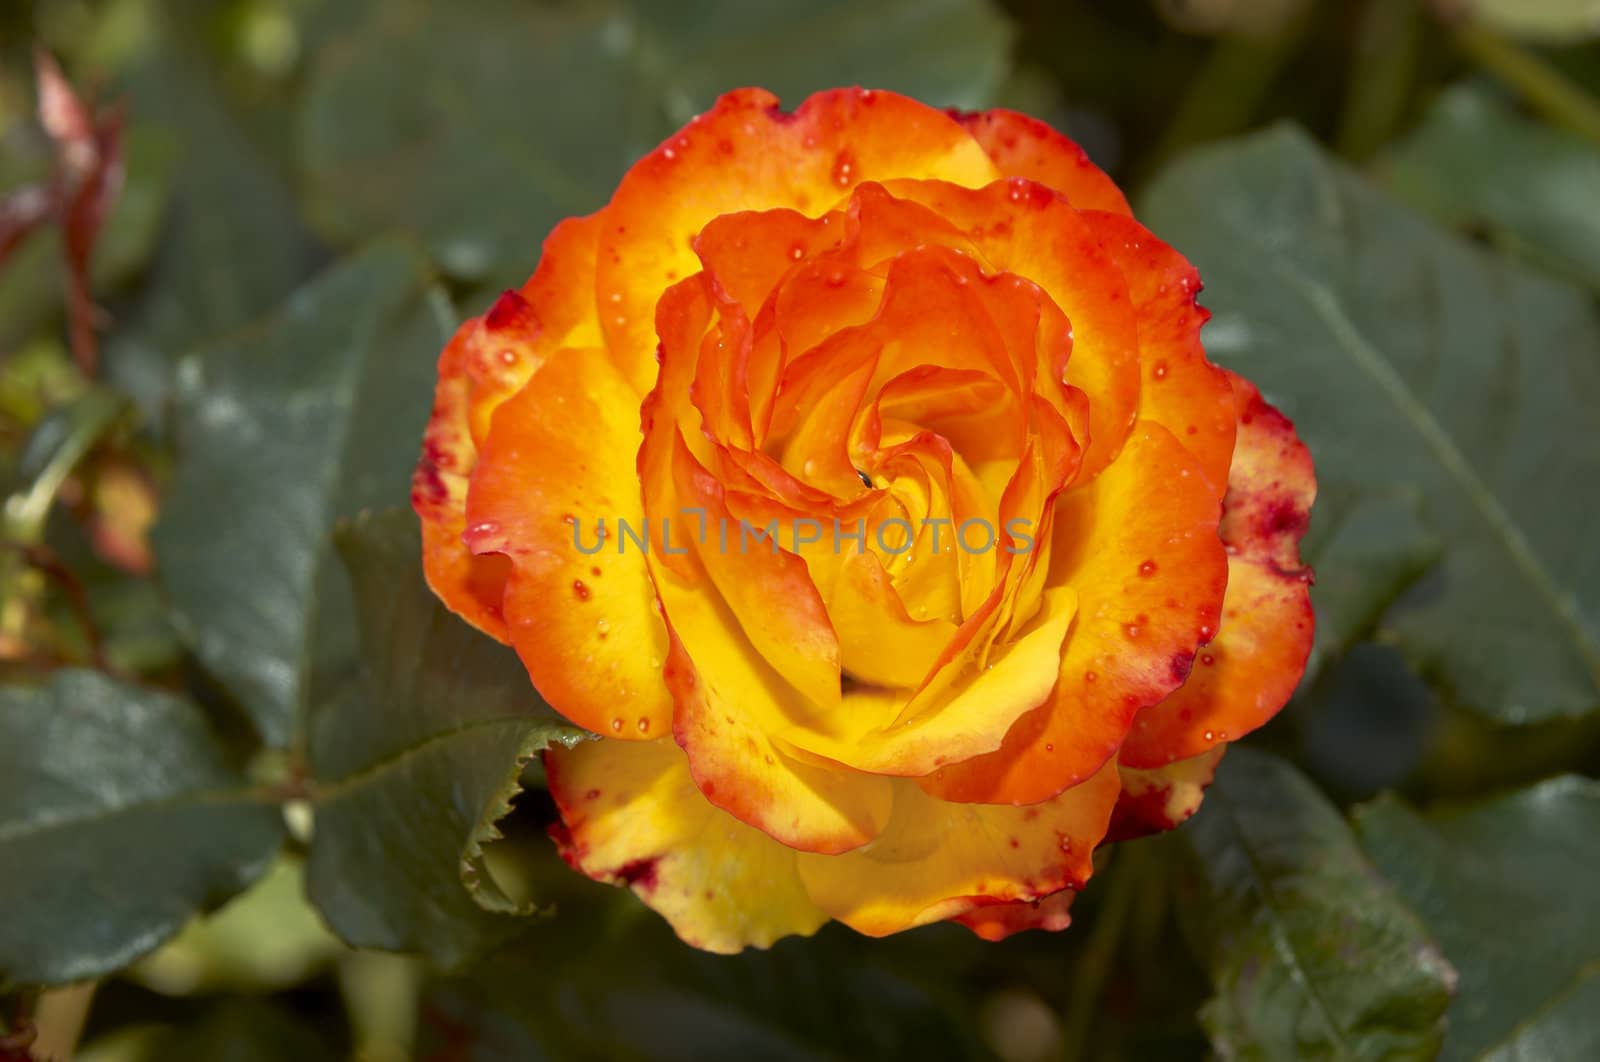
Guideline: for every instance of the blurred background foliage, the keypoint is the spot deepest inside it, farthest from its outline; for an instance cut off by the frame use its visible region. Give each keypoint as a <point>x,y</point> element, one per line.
<point>261,797</point>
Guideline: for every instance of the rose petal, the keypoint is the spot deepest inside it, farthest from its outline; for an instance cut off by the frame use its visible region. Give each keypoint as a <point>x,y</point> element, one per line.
<point>558,461</point>
<point>633,817</point>
<point>997,921</point>
<point>1182,391</point>
<point>934,859</point>
<point>1026,147</point>
<point>487,360</point>
<point>747,154</point>
<point>1252,667</point>
<point>1158,798</point>
<point>1140,547</point>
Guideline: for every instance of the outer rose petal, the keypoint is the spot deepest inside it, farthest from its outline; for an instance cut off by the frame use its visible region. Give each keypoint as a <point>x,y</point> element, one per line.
<point>471,587</point>
<point>1160,798</point>
<point>633,817</point>
<point>1182,391</point>
<point>937,860</point>
<point>559,458</point>
<point>1242,678</point>
<point>1139,545</point>
<point>487,361</point>
<point>997,921</point>
<point>1026,147</point>
<point>746,154</point>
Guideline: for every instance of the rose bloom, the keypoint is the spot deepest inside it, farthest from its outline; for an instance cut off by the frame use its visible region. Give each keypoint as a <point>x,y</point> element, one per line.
<point>871,316</point>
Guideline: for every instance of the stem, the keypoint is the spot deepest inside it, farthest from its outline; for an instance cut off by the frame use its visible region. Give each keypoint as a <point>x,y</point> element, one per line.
<point>16,1019</point>
<point>42,559</point>
<point>1541,85</point>
<point>1380,76</point>
<point>57,446</point>
<point>1100,951</point>
<point>1229,90</point>
<point>60,1017</point>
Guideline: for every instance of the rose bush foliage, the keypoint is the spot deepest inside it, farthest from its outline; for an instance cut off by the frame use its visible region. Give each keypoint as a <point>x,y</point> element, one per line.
<point>1030,560</point>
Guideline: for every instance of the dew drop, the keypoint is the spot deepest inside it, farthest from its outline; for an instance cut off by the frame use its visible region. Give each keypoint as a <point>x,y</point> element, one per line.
<point>1131,630</point>
<point>1049,747</point>
<point>603,627</point>
<point>488,527</point>
<point>644,726</point>
<point>843,168</point>
<point>508,356</point>
<point>1209,735</point>
<point>1147,569</point>
<point>1090,676</point>
<point>797,252</point>
<point>1160,370</point>
<point>580,589</point>
<point>616,725</point>
<point>1207,659</point>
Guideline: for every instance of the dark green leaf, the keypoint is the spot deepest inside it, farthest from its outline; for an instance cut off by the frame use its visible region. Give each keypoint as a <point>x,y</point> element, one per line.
<point>480,125</point>
<point>949,53</point>
<point>416,760</point>
<point>617,985</point>
<point>314,415</point>
<point>233,245</point>
<point>1415,364</point>
<point>119,819</point>
<point>1508,887</point>
<point>1311,954</point>
<point>1476,162</point>
<point>1564,1028</point>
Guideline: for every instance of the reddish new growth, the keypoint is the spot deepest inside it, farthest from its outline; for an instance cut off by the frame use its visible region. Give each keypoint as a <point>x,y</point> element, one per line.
<point>84,182</point>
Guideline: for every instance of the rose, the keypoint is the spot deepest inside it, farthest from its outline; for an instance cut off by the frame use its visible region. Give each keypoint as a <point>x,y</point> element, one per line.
<point>867,316</point>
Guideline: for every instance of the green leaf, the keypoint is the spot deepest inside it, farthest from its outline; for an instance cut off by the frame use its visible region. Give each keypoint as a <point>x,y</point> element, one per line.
<point>313,415</point>
<point>1564,1028</point>
<point>1415,364</point>
<point>1508,886</point>
<point>479,125</point>
<point>233,244</point>
<point>1311,954</point>
<point>415,762</point>
<point>1476,162</point>
<point>949,53</point>
<point>120,818</point>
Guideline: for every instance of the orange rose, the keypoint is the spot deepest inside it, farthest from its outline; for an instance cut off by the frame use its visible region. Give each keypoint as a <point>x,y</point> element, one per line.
<point>935,553</point>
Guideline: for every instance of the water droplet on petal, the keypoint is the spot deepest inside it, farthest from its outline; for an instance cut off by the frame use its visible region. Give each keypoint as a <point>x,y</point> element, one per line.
<point>644,726</point>
<point>616,725</point>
